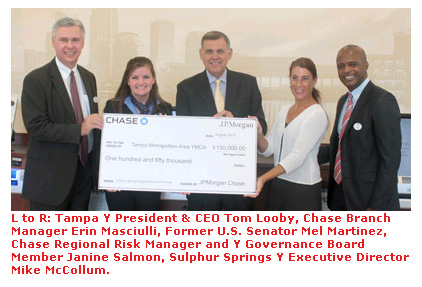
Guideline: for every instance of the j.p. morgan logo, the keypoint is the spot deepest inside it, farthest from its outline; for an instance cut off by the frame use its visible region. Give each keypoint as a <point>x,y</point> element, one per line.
<point>235,124</point>
<point>126,120</point>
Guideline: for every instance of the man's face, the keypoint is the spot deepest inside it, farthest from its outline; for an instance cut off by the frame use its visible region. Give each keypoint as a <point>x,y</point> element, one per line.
<point>68,43</point>
<point>215,55</point>
<point>352,67</point>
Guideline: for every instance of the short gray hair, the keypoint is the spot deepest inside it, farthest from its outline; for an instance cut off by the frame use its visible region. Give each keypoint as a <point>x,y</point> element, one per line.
<point>68,22</point>
<point>215,35</point>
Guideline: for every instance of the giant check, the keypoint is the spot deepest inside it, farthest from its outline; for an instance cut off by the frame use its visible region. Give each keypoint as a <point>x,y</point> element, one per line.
<point>178,154</point>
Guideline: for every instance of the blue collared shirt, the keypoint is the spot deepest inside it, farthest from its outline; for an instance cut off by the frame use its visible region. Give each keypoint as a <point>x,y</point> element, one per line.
<point>356,94</point>
<point>223,83</point>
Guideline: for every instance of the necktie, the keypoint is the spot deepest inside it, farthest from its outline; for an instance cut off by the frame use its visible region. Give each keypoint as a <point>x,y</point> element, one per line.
<point>83,147</point>
<point>218,97</point>
<point>348,112</point>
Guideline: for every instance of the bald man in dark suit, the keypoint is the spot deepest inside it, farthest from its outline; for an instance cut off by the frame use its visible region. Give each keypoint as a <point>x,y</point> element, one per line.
<point>364,161</point>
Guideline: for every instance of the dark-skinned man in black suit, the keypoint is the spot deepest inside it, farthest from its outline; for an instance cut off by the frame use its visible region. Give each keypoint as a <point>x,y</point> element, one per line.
<point>363,171</point>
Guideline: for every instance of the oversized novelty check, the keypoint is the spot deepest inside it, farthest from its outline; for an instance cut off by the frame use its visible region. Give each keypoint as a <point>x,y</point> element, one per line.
<point>178,154</point>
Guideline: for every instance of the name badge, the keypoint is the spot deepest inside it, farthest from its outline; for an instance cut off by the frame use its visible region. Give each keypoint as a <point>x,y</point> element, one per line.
<point>357,126</point>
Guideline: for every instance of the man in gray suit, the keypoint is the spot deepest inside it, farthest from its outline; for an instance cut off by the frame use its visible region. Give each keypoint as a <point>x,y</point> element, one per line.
<point>60,113</point>
<point>240,97</point>
<point>366,140</point>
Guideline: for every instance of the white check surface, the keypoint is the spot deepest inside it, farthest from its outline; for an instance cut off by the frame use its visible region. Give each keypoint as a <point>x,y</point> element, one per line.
<point>178,154</point>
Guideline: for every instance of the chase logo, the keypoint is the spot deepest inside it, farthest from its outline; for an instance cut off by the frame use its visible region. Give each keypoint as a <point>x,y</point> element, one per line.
<point>122,120</point>
<point>144,121</point>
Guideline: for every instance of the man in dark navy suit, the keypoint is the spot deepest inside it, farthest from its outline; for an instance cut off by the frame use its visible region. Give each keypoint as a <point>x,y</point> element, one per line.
<point>219,92</point>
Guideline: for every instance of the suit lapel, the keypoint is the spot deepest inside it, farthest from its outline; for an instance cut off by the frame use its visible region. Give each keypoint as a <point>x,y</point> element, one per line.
<point>231,88</point>
<point>90,89</point>
<point>57,81</point>
<point>357,110</point>
<point>206,93</point>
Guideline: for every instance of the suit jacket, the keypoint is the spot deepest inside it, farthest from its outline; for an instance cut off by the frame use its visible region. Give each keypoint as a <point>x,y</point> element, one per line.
<point>54,135</point>
<point>112,107</point>
<point>370,152</point>
<point>194,97</point>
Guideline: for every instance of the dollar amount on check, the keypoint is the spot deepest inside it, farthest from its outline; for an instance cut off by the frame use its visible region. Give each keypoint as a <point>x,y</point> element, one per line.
<point>178,154</point>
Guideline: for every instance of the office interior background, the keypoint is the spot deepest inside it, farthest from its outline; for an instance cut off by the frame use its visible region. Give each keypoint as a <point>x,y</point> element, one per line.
<point>264,42</point>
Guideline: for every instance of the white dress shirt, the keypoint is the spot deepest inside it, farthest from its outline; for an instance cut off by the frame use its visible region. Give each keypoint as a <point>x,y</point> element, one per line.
<point>83,95</point>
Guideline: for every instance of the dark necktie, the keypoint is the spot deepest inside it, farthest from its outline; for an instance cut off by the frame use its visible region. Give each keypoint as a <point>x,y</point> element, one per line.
<point>337,167</point>
<point>83,147</point>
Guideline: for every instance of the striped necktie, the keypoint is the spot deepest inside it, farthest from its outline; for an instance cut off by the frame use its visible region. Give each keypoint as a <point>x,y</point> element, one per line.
<point>348,112</point>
